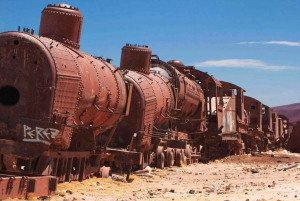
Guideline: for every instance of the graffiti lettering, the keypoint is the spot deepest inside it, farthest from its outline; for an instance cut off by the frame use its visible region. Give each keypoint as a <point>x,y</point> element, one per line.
<point>38,134</point>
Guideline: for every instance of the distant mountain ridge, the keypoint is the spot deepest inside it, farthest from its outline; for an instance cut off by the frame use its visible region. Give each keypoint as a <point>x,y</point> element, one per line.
<point>292,111</point>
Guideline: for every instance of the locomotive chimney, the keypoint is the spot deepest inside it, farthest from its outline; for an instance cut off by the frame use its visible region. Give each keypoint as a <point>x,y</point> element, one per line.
<point>136,58</point>
<point>62,22</point>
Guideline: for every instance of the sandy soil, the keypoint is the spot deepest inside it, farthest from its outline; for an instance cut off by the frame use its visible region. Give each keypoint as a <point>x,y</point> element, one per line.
<point>260,177</point>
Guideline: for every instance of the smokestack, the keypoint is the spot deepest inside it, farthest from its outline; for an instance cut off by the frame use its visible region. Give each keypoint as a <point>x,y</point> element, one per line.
<point>136,58</point>
<point>63,23</point>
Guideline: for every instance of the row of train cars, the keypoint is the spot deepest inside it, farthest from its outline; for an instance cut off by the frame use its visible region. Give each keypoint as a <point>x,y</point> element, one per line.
<point>68,114</point>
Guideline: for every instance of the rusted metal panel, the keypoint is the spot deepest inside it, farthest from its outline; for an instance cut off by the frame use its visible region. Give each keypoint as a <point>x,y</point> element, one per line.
<point>176,144</point>
<point>67,89</point>
<point>164,98</point>
<point>229,114</point>
<point>141,115</point>
<point>267,119</point>
<point>123,156</point>
<point>110,102</point>
<point>234,115</point>
<point>229,88</point>
<point>255,108</point>
<point>21,185</point>
<point>189,104</point>
<point>74,166</point>
<point>149,106</point>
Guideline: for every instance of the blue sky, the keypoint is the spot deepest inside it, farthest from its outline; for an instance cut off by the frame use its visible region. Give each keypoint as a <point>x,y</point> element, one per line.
<point>254,44</point>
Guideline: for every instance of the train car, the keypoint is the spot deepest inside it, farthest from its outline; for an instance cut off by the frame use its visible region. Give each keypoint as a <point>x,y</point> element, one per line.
<point>267,129</point>
<point>204,130</point>
<point>281,133</point>
<point>225,118</point>
<point>235,118</point>
<point>254,107</point>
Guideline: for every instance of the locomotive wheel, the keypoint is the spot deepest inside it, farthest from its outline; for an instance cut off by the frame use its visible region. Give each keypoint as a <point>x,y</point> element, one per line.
<point>178,160</point>
<point>105,172</point>
<point>160,157</point>
<point>170,157</point>
<point>44,165</point>
<point>188,155</point>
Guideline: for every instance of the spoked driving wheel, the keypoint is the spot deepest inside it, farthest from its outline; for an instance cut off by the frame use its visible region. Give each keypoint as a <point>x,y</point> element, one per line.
<point>178,160</point>
<point>170,157</point>
<point>160,157</point>
<point>188,154</point>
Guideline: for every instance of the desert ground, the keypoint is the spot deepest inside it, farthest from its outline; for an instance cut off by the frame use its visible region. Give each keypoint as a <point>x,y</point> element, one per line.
<point>256,177</point>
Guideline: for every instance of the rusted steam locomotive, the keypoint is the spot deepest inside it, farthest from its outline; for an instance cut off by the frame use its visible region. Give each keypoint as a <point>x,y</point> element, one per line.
<point>66,113</point>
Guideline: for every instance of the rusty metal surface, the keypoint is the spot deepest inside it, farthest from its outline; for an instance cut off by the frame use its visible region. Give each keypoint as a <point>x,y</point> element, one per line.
<point>189,101</point>
<point>189,98</point>
<point>230,115</point>
<point>176,144</point>
<point>164,98</point>
<point>32,77</point>
<point>267,119</point>
<point>255,108</point>
<point>231,90</point>
<point>72,166</point>
<point>235,119</point>
<point>21,185</point>
<point>275,125</point>
<point>141,115</point>
<point>123,156</point>
<point>286,128</point>
<point>188,94</point>
<point>136,58</point>
<point>105,105</point>
<point>67,21</point>
<point>293,143</point>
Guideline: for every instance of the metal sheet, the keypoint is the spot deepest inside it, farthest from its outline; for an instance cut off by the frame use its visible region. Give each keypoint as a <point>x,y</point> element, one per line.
<point>20,185</point>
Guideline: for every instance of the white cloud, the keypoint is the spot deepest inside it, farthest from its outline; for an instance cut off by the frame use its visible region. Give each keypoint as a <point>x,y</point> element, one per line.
<point>242,63</point>
<point>287,43</point>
